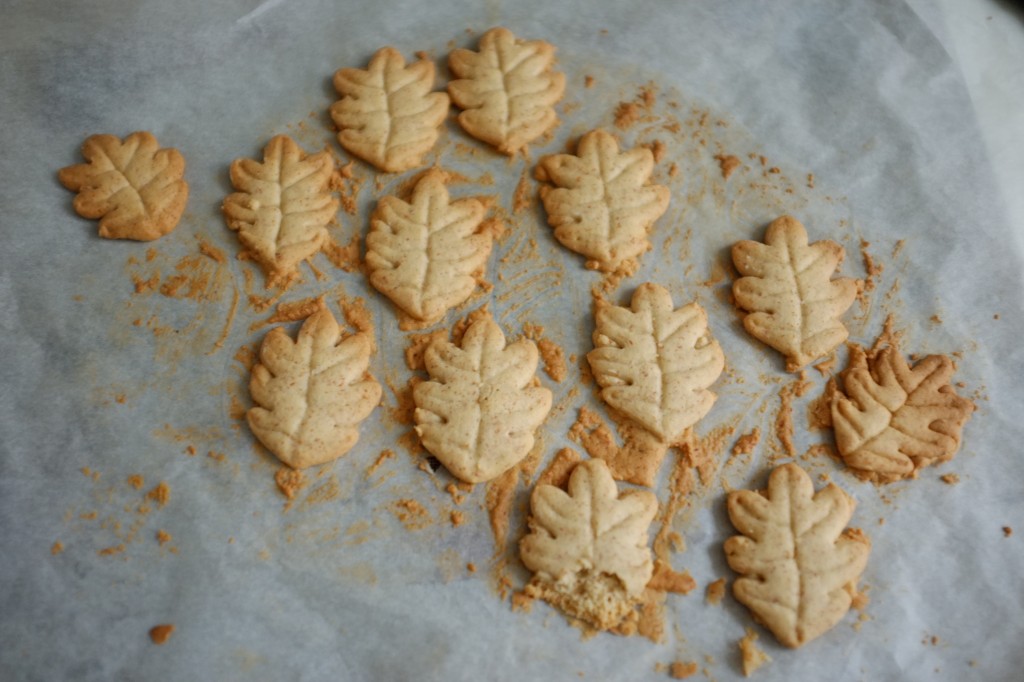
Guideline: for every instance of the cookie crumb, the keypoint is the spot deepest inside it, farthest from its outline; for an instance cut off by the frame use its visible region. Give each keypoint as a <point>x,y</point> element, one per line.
<point>161,494</point>
<point>715,592</point>
<point>728,164</point>
<point>949,479</point>
<point>588,81</point>
<point>163,537</point>
<point>289,481</point>
<point>522,602</point>
<point>753,658</point>
<point>57,548</point>
<point>136,481</point>
<point>458,518</point>
<point>1007,531</point>
<point>746,443</point>
<point>680,671</point>
<point>161,633</point>
<point>471,567</point>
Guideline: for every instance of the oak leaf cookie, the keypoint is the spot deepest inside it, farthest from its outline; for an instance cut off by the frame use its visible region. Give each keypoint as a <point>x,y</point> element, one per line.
<point>135,188</point>
<point>311,394</point>
<point>791,303</point>
<point>507,89</point>
<point>387,114</point>
<point>588,547</point>
<point>891,418</point>
<point>282,206</point>
<point>426,255</point>
<point>799,566</point>
<point>602,204</point>
<point>479,411</point>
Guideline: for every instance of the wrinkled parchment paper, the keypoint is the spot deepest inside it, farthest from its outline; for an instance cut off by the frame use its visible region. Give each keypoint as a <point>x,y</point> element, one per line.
<point>101,383</point>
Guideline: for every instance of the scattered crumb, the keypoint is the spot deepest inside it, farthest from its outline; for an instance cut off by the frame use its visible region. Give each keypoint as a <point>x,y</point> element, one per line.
<point>1007,531</point>
<point>383,457</point>
<point>728,164</point>
<point>471,567</point>
<point>163,537</point>
<point>161,494</point>
<point>412,514</point>
<point>667,580</point>
<point>161,633</point>
<point>950,479</point>
<point>289,481</point>
<point>753,658</point>
<point>553,357</point>
<point>746,443</point>
<point>136,481</point>
<point>588,81</point>
<point>111,551</point>
<point>458,518</point>
<point>522,602</point>
<point>561,466</point>
<point>57,548</point>
<point>680,671</point>
<point>715,592</point>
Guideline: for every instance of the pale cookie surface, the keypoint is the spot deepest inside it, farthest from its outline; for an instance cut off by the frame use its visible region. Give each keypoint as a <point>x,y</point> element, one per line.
<point>507,89</point>
<point>891,418</point>
<point>588,547</point>
<point>135,188</point>
<point>282,206</point>
<point>602,205</point>
<point>426,255</point>
<point>479,411</point>
<point>799,566</point>
<point>311,394</point>
<point>387,115</point>
<point>655,363</point>
<point>792,304</point>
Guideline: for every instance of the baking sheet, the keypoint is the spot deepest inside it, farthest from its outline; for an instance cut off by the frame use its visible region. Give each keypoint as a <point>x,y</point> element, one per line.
<point>862,96</point>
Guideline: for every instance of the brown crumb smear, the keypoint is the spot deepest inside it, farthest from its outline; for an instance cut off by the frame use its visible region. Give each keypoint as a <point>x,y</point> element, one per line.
<point>716,591</point>
<point>1007,531</point>
<point>680,671</point>
<point>728,164</point>
<point>161,633</point>
<point>746,443</point>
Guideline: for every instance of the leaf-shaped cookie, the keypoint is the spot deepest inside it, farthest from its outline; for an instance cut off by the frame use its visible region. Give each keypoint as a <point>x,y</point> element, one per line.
<point>892,419</point>
<point>311,394</point>
<point>588,548</point>
<point>478,412</point>
<point>387,114</point>
<point>602,205</point>
<point>654,364</point>
<point>282,206</point>
<point>507,89</point>
<point>799,566</point>
<point>134,187</point>
<point>423,255</point>
<point>793,305</point>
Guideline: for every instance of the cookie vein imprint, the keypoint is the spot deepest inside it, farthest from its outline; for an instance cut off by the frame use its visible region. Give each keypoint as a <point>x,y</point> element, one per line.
<point>588,547</point>
<point>282,205</point>
<point>387,115</point>
<point>507,89</point>
<point>478,412</point>
<point>792,304</point>
<point>426,255</point>
<point>135,188</point>
<point>602,204</point>
<point>654,364</point>
<point>799,566</point>
<point>891,418</point>
<point>310,395</point>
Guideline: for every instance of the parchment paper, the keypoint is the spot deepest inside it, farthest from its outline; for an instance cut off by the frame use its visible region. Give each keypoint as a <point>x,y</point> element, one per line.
<point>101,383</point>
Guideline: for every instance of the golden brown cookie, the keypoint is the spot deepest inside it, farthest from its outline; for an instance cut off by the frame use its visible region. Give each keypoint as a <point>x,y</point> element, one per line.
<point>507,89</point>
<point>792,304</point>
<point>798,565</point>
<point>387,114</point>
<point>310,394</point>
<point>135,188</point>
<point>602,204</point>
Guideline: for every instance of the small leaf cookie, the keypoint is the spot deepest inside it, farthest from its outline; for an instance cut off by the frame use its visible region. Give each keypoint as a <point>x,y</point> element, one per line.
<point>507,89</point>
<point>134,187</point>
<point>311,394</point>
<point>602,204</point>
<point>478,412</point>
<point>799,566</point>
<point>387,114</point>
<point>588,547</point>
<point>654,364</point>
<point>891,418</point>
<point>425,255</point>
<point>282,206</point>
<point>792,304</point>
